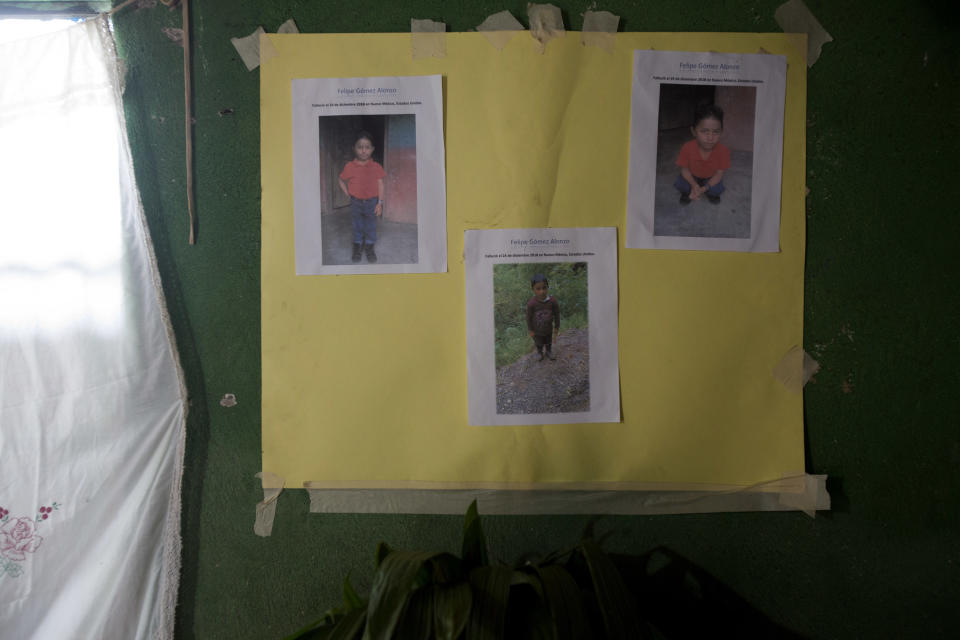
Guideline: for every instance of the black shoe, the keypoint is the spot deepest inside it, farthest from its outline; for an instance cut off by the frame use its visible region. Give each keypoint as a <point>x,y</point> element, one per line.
<point>356,252</point>
<point>371,254</point>
<point>541,356</point>
<point>684,198</point>
<point>551,356</point>
<point>713,199</point>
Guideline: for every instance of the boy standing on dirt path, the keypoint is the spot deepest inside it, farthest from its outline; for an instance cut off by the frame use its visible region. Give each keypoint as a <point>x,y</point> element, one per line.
<point>543,314</point>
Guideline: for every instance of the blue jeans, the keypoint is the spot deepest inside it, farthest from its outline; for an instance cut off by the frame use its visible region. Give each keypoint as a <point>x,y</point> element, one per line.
<point>684,187</point>
<point>363,216</point>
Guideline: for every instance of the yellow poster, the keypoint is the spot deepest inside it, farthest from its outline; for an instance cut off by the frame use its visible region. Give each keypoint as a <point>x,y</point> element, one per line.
<point>365,374</point>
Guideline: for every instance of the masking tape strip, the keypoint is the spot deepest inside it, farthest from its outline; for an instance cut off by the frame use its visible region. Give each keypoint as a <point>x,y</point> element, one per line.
<point>267,50</point>
<point>599,30</point>
<point>543,486</point>
<point>267,508</point>
<point>795,369</point>
<point>249,48</point>
<point>428,39</point>
<point>288,27</point>
<point>546,23</point>
<point>794,17</point>
<point>802,492</point>
<point>499,28</point>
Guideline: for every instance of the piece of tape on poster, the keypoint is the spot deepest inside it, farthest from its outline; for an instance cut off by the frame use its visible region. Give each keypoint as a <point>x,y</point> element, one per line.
<point>254,51</point>
<point>288,27</point>
<point>599,30</point>
<point>795,369</point>
<point>267,508</point>
<point>499,28</point>
<point>804,492</point>
<point>795,17</point>
<point>428,39</point>
<point>793,492</point>
<point>546,23</point>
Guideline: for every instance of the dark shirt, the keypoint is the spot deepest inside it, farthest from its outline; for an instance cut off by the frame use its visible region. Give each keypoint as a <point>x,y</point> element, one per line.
<point>542,316</point>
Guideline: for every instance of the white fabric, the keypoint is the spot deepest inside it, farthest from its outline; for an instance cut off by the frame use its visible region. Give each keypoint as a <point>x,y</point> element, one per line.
<point>92,403</point>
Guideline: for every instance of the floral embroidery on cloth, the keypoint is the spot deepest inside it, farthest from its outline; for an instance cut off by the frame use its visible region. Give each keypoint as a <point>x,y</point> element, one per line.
<point>18,537</point>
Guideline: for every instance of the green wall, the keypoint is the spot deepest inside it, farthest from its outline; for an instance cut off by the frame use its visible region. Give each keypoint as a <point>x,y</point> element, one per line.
<point>880,316</point>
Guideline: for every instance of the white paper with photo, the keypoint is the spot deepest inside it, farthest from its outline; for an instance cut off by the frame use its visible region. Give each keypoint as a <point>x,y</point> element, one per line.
<point>402,119</point>
<point>667,87</point>
<point>577,377</point>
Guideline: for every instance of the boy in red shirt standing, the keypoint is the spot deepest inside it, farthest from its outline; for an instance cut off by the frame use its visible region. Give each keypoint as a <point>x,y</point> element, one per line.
<point>362,180</point>
<point>704,159</point>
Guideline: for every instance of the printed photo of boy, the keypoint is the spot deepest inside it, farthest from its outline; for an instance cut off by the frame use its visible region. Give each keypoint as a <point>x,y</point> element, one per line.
<point>541,337</point>
<point>368,187</point>
<point>704,174</point>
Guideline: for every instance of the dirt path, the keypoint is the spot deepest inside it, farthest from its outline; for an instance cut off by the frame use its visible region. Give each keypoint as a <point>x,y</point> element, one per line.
<point>530,385</point>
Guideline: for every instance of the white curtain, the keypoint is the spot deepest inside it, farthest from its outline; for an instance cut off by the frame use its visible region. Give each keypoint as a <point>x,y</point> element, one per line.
<point>92,403</point>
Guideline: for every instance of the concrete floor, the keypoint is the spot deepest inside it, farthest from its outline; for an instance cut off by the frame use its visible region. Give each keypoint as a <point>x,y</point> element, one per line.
<point>396,241</point>
<point>701,219</point>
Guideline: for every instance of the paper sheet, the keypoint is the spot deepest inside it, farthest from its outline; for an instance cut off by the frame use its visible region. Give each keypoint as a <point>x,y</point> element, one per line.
<point>405,219</point>
<point>670,89</point>
<point>519,279</point>
<point>365,378</point>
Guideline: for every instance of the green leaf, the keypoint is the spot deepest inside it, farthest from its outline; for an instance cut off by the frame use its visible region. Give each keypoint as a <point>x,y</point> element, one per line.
<point>474,551</point>
<point>416,622</point>
<point>555,556</point>
<point>383,550</point>
<point>350,626</point>
<point>528,615</point>
<point>566,604</point>
<point>446,568</point>
<point>331,616</point>
<point>588,528</point>
<point>451,610</point>
<point>397,578</point>
<point>491,592</point>
<point>589,533</point>
<point>350,597</point>
<point>529,579</point>
<point>316,630</point>
<point>616,603</point>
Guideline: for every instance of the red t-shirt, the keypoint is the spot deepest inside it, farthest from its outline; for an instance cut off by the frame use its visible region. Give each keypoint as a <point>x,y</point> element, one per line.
<point>362,179</point>
<point>691,159</point>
